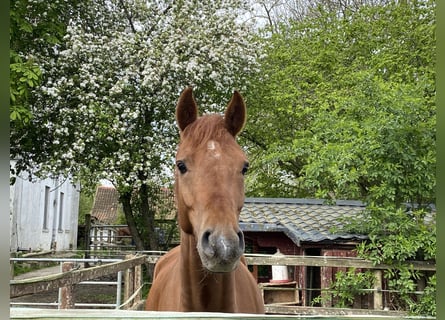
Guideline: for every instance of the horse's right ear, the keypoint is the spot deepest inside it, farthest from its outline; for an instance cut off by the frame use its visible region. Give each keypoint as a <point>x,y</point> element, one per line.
<point>186,109</point>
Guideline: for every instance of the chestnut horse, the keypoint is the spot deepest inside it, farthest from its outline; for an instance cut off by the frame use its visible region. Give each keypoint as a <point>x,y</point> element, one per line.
<point>207,271</point>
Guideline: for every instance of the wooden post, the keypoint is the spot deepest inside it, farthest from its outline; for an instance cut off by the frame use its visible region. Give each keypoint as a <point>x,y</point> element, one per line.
<point>128,283</point>
<point>100,243</point>
<point>109,240</point>
<point>378,294</point>
<point>66,293</point>
<point>87,238</point>
<point>11,265</point>
<point>132,282</point>
<point>137,283</point>
<point>255,267</point>
<point>327,278</point>
<point>95,239</point>
<point>421,284</point>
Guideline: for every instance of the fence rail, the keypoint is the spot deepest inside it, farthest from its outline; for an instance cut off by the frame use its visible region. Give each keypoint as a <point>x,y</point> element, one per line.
<point>329,261</point>
<point>72,277</point>
<point>313,261</point>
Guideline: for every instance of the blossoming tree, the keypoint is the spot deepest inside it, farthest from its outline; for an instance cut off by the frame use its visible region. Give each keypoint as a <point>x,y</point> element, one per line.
<point>105,106</point>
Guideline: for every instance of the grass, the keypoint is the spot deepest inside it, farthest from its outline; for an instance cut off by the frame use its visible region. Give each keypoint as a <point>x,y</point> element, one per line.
<point>24,267</point>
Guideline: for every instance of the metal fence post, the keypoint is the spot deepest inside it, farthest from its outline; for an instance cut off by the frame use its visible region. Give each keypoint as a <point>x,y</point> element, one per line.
<point>119,290</point>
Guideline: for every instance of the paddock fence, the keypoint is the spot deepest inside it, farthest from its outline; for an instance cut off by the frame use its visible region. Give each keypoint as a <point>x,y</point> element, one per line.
<point>376,307</point>
<point>128,271</point>
<point>131,273</point>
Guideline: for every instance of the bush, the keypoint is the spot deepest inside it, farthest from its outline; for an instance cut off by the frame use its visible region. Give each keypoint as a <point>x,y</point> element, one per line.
<point>346,287</point>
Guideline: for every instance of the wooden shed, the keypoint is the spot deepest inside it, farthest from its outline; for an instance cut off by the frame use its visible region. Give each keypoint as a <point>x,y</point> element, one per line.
<point>300,227</point>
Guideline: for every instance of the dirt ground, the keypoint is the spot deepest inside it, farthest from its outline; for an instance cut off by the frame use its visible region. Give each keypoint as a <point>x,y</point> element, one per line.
<point>84,293</point>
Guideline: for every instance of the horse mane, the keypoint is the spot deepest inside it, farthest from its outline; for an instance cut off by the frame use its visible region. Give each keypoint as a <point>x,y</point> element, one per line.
<point>205,128</point>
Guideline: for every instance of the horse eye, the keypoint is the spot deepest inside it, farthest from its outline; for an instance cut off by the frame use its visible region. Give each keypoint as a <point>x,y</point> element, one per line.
<point>181,167</point>
<point>245,168</point>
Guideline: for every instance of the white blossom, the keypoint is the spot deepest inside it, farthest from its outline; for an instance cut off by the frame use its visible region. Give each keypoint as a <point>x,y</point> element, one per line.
<point>109,97</point>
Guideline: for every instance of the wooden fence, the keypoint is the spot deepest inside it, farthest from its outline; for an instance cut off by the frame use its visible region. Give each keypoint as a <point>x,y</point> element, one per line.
<point>133,281</point>
<point>70,277</point>
<point>338,262</point>
<point>107,237</point>
<point>325,261</point>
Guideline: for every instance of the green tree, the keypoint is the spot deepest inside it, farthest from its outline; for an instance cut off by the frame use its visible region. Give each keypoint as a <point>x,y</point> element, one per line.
<point>344,108</point>
<point>36,29</point>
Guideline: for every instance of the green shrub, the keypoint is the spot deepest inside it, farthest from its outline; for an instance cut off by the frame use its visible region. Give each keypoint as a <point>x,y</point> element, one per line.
<point>346,287</point>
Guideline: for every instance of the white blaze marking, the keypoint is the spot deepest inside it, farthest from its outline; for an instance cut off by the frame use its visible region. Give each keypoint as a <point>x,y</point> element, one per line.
<point>213,146</point>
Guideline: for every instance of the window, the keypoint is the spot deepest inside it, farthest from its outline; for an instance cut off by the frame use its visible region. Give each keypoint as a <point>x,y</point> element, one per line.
<point>46,208</point>
<point>61,211</point>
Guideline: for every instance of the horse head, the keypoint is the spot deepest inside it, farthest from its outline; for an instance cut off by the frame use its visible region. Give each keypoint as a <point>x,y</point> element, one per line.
<point>209,180</point>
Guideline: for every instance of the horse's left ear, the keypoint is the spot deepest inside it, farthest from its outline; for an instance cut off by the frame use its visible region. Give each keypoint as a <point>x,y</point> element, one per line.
<point>186,109</point>
<point>235,115</point>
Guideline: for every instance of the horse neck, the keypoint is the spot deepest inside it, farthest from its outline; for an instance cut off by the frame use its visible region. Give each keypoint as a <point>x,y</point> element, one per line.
<point>200,289</point>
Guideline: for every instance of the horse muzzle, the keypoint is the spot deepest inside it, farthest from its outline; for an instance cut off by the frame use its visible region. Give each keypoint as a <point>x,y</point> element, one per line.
<point>220,252</point>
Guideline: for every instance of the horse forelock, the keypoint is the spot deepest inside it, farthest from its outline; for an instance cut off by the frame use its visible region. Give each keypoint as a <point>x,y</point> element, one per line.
<point>204,129</point>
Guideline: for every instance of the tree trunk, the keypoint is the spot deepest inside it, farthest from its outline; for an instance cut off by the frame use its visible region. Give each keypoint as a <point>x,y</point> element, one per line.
<point>128,211</point>
<point>145,238</point>
<point>148,214</point>
<point>148,217</point>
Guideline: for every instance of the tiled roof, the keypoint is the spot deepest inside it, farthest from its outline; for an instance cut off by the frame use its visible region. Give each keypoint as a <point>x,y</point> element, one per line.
<point>302,220</point>
<point>106,202</point>
<point>105,205</point>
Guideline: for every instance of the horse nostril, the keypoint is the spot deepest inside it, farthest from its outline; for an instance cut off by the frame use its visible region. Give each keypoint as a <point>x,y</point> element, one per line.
<point>205,238</point>
<point>205,243</point>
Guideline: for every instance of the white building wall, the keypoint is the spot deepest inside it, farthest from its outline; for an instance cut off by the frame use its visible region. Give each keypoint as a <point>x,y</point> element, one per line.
<point>31,227</point>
